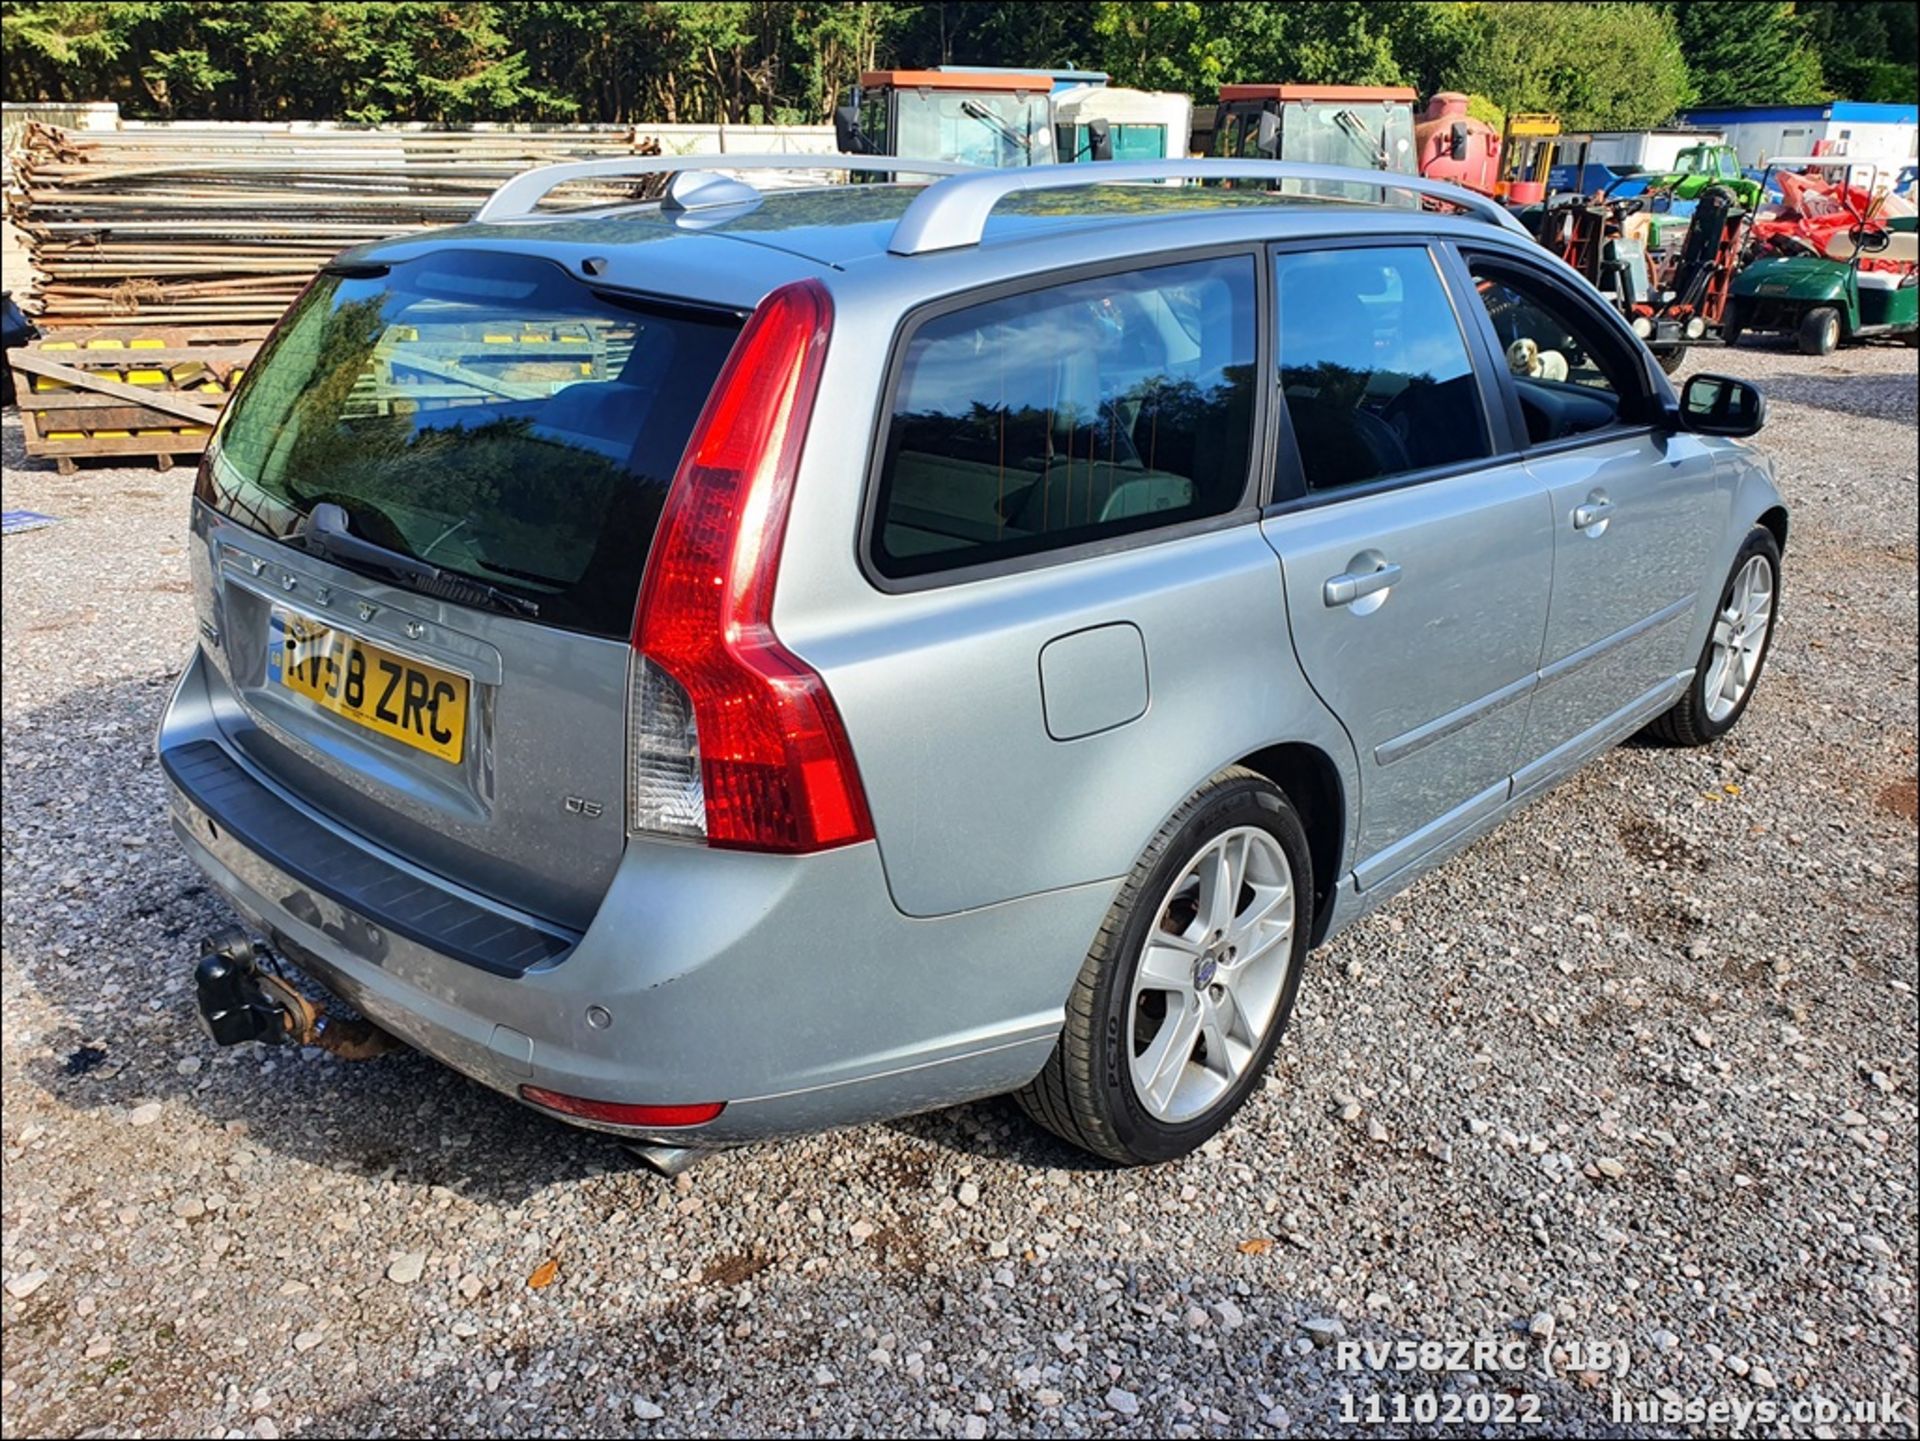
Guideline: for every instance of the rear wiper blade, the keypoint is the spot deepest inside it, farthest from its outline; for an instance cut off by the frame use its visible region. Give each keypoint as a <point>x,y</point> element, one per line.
<point>325,533</point>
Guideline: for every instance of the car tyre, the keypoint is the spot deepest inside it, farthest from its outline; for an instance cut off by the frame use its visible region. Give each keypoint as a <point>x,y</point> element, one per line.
<point>1819,331</point>
<point>1670,358</point>
<point>1089,1092</point>
<point>1706,711</point>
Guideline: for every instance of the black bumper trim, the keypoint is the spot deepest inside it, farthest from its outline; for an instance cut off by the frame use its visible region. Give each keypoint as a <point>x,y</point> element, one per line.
<point>359,879</point>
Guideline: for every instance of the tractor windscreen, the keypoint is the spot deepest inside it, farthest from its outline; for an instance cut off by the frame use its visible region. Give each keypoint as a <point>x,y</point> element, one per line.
<point>986,128</point>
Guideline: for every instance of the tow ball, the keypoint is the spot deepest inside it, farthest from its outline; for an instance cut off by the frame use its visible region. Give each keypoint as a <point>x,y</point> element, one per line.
<point>239,1000</point>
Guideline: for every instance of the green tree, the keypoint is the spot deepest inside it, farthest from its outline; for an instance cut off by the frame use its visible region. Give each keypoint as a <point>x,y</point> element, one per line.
<point>1746,52</point>
<point>1607,66</point>
<point>1198,47</point>
<point>632,61</point>
<point>411,60</point>
<point>1867,48</point>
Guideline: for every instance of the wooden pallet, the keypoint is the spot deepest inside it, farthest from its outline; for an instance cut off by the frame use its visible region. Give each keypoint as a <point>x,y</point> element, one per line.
<point>128,391</point>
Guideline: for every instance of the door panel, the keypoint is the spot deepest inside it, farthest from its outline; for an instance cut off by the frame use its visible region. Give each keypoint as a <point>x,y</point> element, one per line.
<point>1635,506</point>
<point>1625,583</point>
<point>1431,675</point>
<point>1074,620</point>
<point>1417,579</point>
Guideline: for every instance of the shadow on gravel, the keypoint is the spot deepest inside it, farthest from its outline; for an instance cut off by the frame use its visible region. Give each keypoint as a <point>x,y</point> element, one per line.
<point>105,914</point>
<point>997,1130</point>
<point>1876,395</point>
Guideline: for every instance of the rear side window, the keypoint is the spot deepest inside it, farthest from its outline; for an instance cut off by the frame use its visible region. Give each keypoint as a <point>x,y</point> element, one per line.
<point>486,414</point>
<point>1080,412</point>
<point>1373,366</point>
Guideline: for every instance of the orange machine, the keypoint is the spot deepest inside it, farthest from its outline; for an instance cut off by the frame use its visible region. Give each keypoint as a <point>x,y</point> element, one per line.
<point>1451,145</point>
<point>967,80</point>
<point>1369,126</point>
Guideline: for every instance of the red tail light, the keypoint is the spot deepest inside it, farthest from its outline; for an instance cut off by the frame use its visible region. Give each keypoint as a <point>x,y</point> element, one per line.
<point>776,769</point>
<point>622,1113</point>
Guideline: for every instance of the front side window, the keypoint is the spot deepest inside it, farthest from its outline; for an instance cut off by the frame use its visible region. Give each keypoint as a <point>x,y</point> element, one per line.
<point>1572,375</point>
<point>1072,414</point>
<point>1373,366</point>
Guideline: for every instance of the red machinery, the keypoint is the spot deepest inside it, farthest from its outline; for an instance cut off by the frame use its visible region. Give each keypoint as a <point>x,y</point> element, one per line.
<point>1451,145</point>
<point>1816,213</point>
<point>1673,292</point>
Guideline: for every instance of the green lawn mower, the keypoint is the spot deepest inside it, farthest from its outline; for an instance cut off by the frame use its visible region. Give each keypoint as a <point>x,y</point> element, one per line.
<point>1825,298</point>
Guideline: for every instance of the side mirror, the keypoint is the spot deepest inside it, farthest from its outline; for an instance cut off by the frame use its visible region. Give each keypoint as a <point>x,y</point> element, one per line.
<point>1721,405</point>
<point>1269,138</point>
<point>1100,138</point>
<point>1457,140</point>
<point>846,131</point>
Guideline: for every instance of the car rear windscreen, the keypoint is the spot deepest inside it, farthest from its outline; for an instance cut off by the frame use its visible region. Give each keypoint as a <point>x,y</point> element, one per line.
<point>485,414</point>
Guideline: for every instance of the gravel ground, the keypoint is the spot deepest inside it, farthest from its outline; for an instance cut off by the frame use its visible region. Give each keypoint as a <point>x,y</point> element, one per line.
<point>1639,1068</point>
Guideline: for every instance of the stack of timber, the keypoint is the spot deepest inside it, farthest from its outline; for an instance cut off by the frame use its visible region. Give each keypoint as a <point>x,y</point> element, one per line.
<point>189,241</point>
<point>222,224</point>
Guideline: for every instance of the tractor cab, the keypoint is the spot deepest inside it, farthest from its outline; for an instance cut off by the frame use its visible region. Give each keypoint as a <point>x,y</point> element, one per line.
<point>1368,126</point>
<point>987,118</point>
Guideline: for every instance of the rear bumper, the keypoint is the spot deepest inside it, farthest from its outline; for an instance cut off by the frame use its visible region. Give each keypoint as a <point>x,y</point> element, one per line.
<point>789,987</point>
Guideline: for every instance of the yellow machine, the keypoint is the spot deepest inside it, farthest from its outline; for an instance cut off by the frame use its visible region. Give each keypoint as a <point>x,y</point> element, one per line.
<point>1527,149</point>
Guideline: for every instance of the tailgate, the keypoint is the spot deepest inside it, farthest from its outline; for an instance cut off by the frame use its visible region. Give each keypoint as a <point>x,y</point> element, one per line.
<point>425,519</point>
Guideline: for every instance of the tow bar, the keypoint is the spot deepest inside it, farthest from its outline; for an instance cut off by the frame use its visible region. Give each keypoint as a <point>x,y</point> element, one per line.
<point>239,1001</point>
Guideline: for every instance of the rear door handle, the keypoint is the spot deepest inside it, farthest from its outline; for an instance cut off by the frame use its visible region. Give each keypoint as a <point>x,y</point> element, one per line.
<point>1346,588</point>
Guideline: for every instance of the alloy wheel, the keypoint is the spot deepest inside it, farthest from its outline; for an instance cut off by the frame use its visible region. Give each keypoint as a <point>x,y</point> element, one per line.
<point>1211,974</point>
<point>1740,638</point>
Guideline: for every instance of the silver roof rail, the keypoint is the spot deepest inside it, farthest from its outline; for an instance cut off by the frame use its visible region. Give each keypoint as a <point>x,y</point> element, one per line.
<point>522,195</point>
<point>953,213</point>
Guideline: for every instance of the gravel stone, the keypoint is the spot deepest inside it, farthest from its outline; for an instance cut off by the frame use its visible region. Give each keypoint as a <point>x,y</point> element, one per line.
<point>1539,984</point>
<point>24,1285</point>
<point>1325,1330</point>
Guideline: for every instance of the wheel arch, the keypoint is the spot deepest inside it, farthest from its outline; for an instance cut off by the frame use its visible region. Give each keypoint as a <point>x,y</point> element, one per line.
<point>1312,781</point>
<point>1775,519</point>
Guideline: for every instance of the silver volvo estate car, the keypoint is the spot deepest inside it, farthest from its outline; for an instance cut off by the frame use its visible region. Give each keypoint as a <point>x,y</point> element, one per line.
<point>768,659</point>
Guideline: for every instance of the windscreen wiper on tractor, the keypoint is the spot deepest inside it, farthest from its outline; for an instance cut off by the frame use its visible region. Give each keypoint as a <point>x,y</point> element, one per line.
<point>325,533</point>
<point>974,110</point>
<point>1357,131</point>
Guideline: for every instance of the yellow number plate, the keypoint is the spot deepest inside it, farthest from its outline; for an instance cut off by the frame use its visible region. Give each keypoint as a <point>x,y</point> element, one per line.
<point>417,704</point>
